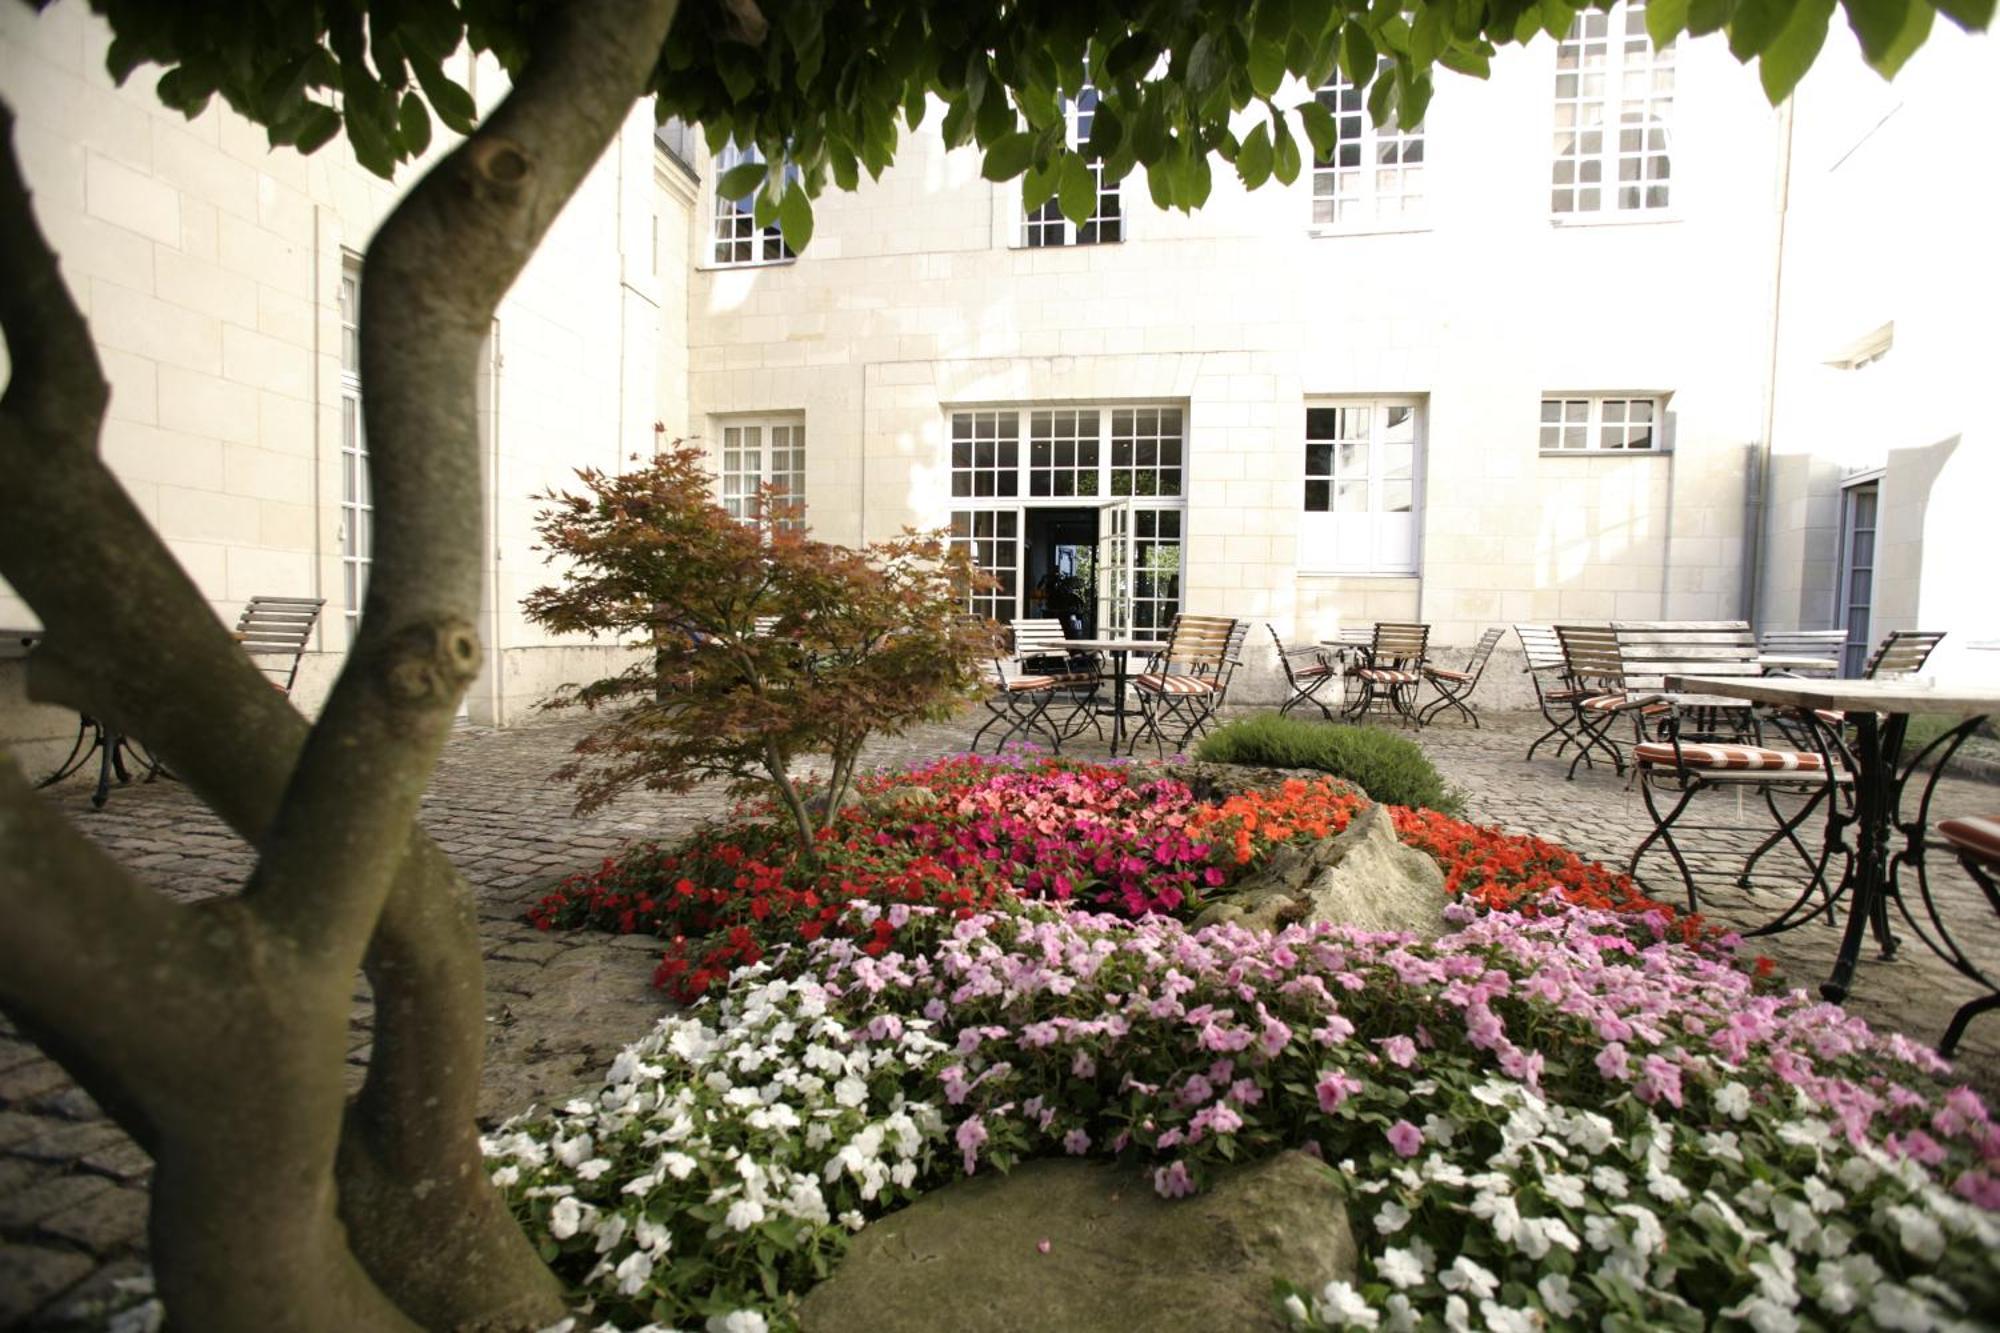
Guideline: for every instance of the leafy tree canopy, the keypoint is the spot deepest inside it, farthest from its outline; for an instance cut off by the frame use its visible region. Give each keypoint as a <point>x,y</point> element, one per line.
<point>822,84</point>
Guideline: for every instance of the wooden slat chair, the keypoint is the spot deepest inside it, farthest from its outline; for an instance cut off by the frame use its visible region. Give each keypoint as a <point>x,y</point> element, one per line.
<point>275,632</point>
<point>1018,698</point>
<point>1976,840</point>
<point>1184,682</point>
<point>1393,671</point>
<point>1601,695</point>
<point>1455,687</point>
<point>1038,648</point>
<point>1556,692</point>
<point>1704,742</point>
<point>1232,661</point>
<point>1827,643</point>
<point>1307,672</point>
<point>1902,652</point>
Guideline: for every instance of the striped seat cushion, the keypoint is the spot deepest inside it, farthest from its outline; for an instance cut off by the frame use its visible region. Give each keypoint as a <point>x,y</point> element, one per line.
<point>1566,696</point>
<point>1976,836</point>
<point>1029,684</point>
<point>1833,717</point>
<point>1439,673</point>
<point>1311,672</point>
<point>1160,684</point>
<point>1388,676</point>
<point>1734,757</point>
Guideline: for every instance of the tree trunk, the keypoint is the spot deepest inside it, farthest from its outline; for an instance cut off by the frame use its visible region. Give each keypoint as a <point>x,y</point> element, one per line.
<point>216,1034</point>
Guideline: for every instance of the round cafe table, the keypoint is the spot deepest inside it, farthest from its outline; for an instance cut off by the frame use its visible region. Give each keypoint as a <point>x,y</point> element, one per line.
<point>1119,650</point>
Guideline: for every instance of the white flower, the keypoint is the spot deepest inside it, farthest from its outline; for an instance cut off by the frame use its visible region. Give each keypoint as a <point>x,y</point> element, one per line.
<point>1919,1232</point>
<point>1400,1267</point>
<point>1440,1129</point>
<point>853,1220</point>
<point>1733,1100</point>
<point>1897,1307</point>
<point>1398,1314</point>
<point>678,1164</point>
<point>507,1177</point>
<point>610,1231</point>
<point>1666,1187</point>
<point>1723,1146</point>
<point>744,1214</point>
<point>1832,1288</point>
<point>634,1272</point>
<point>850,1092</point>
<point>1764,1315</point>
<point>1556,1299</point>
<point>738,1321</point>
<point>1341,1304</point>
<point>1505,1319</point>
<point>565,1218</point>
<point>1466,1275</point>
<point>652,1236</point>
<point>1609,1180</point>
<point>1564,1188</point>
<point>1457,1315</point>
<point>1295,1309</point>
<point>593,1168</point>
<point>1391,1218</point>
<point>574,1152</point>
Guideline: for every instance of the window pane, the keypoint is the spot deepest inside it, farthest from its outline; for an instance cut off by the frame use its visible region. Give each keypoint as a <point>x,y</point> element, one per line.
<point>1351,497</point>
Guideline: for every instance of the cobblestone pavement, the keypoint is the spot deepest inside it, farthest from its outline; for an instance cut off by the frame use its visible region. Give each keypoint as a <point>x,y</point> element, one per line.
<point>73,1187</point>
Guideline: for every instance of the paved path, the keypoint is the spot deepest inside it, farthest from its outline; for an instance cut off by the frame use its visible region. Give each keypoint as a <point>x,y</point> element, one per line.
<point>73,1188</point>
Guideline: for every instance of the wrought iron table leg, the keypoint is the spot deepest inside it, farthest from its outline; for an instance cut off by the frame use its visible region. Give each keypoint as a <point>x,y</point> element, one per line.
<point>1878,746</point>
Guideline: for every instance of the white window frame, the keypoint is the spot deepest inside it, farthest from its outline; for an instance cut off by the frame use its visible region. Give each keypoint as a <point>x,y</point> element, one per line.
<point>731,222</point>
<point>1321,531</point>
<point>1853,562</point>
<point>1387,167</point>
<point>737,485</point>
<point>357,502</point>
<point>1045,227</point>
<point>1608,421</point>
<point>1604,168</point>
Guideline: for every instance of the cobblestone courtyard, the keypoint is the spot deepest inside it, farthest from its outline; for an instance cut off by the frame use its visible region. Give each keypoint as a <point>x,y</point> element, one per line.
<point>73,1187</point>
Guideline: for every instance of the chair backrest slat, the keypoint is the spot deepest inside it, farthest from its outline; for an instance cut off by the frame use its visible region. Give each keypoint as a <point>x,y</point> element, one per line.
<point>1039,638</point>
<point>1902,653</point>
<point>1804,642</point>
<point>1541,645</point>
<point>1650,650</point>
<point>1200,643</point>
<point>277,630</point>
<point>1484,649</point>
<point>1399,641</point>
<point>1590,652</point>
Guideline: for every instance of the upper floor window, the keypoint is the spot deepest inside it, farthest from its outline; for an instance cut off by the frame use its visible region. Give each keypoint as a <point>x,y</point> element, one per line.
<point>1376,175</point>
<point>764,471</point>
<point>1601,424</point>
<point>1607,65</point>
<point>738,238</point>
<point>1046,225</point>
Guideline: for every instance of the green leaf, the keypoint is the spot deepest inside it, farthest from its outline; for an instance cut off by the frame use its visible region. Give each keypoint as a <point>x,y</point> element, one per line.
<point>1253,158</point>
<point>1266,67</point>
<point>1008,156</point>
<point>1078,189</point>
<point>740,180</point>
<point>1284,153</point>
<point>415,122</point>
<point>846,171</point>
<point>1382,102</point>
<point>1038,185</point>
<point>1107,132</point>
<point>1474,61</point>
<point>1320,128</point>
<point>316,128</point>
<point>914,105</point>
<point>764,209</point>
<point>795,218</point>
<point>454,105</point>
<point>1971,15</point>
<point>1206,63</point>
<point>1786,59</point>
<point>1151,140</point>
<point>1413,98</point>
<point>1559,16</point>
<point>1160,182</point>
<point>1666,20</point>
<point>1706,16</point>
<point>1757,24</point>
<point>1890,30</point>
<point>1357,50</point>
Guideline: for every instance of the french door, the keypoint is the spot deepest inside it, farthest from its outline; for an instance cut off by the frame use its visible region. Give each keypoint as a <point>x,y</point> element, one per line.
<point>1114,570</point>
<point>1857,572</point>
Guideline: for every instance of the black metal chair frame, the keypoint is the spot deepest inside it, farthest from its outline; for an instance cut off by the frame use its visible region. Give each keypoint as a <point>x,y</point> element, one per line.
<point>1982,869</point>
<point>1398,647</point>
<point>1186,698</point>
<point>1304,683</point>
<point>1022,702</point>
<point>1546,663</point>
<point>1455,687</point>
<point>1078,675</point>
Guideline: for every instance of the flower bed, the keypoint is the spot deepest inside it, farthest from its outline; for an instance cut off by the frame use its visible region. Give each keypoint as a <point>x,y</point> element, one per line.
<point>1538,1119</point>
<point>965,832</point>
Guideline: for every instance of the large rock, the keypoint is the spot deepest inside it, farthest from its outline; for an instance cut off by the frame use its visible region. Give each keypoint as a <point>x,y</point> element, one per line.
<point>1362,877</point>
<point>1377,883</point>
<point>1077,1247</point>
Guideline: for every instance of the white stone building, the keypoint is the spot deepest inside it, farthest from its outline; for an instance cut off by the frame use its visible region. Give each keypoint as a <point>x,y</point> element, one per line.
<point>1500,368</point>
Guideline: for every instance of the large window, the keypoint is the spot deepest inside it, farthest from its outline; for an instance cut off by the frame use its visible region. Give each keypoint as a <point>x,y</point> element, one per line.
<point>1375,177</point>
<point>1601,424</point>
<point>738,238</point>
<point>357,506</point>
<point>1045,224</point>
<point>764,464</point>
<point>1363,462</point>
<point>1607,67</point>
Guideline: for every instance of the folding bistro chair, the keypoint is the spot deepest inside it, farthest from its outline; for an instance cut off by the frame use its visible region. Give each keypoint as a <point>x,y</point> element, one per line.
<point>1038,647</point>
<point>1393,671</point>
<point>1902,652</point>
<point>1556,692</point>
<point>1185,680</point>
<point>1017,698</point>
<point>275,632</point>
<point>1592,658</point>
<point>1455,687</point>
<point>1976,839</point>
<point>1827,643</point>
<point>1307,672</point>
<point>1232,659</point>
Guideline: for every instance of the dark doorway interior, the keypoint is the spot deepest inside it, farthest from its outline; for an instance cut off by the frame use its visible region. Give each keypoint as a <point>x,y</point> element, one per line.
<point>1061,578</point>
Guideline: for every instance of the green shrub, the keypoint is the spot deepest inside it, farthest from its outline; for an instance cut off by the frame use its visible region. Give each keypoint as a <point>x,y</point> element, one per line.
<point>1390,768</point>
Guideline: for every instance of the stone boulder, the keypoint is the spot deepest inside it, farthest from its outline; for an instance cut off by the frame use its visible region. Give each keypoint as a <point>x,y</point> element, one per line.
<point>1364,876</point>
<point>1088,1247</point>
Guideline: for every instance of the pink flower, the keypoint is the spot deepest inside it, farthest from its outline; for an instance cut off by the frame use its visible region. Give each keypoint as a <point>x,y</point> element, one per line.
<point>1335,1087</point>
<point>1613,1062</point>
<point>1399,1051</point>
<point>1405,1138</point>
<point>1173,1182</point>
<point>971,1135</point>
<point>1042,1245</point>
<point>1076,1143</point>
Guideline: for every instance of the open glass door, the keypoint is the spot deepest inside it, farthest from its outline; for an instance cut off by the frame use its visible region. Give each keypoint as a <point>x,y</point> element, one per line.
<point>1114,570</point>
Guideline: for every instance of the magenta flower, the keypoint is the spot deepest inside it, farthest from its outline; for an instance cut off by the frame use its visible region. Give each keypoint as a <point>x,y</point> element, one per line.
<point>1173,1182</point>
<point>1405,1138</point>
<point>1334,1087</point>
<point>971,1134</point>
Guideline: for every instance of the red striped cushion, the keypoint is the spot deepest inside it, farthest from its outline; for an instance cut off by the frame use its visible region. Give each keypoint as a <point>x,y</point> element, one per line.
<point>1977,836</point>
<point>1308,672</point>
<point>1833,717</point>
<point>1029,684</point>
<point>1728,757</point>
<point>1388,676</point>
<point>1606,703</point>
<point>1439,673</point>
<point>1566,696</point>
<point>1159,684</point>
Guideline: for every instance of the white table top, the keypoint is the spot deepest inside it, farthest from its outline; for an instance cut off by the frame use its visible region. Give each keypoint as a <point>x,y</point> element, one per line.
<point>1910,695</point>
<point>1112,645</point>
<point>1790,662</point>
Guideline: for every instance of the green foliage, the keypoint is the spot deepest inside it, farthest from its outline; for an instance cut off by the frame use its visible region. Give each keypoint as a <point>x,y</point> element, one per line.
<point>821,84</point>
<point>765,645</point>
<point>1390,768</point>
